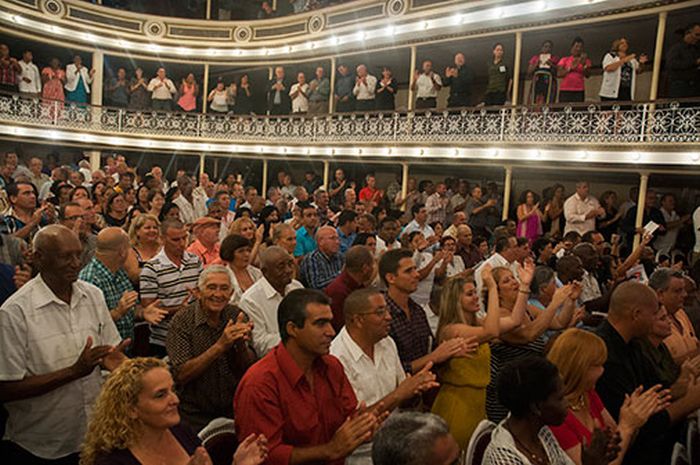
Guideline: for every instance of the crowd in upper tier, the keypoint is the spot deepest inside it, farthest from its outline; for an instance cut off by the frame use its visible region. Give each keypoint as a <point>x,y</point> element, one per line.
<point>310,314</point>
<point>552,79</point>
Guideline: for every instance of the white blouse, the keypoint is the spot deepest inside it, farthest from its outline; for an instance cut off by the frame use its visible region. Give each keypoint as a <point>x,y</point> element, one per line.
<point>255,275</point>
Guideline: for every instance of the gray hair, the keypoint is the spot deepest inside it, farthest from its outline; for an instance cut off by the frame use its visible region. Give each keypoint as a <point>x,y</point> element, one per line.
<point>661,278</point>
<point>270,254</point>
<point>407,439</point>
<point>543,276</point>
<point>214,269</point>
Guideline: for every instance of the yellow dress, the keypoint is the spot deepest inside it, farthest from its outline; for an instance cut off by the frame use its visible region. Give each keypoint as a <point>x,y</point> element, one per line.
<point>462,397</point>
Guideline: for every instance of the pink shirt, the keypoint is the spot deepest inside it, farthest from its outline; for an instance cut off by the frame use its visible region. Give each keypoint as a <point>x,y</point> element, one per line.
<point>573,81</point>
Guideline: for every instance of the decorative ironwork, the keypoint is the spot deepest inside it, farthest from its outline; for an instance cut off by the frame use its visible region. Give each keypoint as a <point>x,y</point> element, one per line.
<point>662,122</point>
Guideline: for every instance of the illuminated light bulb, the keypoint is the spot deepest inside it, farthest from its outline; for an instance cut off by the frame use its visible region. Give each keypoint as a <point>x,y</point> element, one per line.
<point>390,31</point>
<point>334,40</point>
<point>695,156</point>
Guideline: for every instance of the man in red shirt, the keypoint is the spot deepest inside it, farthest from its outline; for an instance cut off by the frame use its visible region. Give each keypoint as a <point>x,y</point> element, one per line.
<point>298,395</point>
<point>369,194</point>
<point>359,272</point>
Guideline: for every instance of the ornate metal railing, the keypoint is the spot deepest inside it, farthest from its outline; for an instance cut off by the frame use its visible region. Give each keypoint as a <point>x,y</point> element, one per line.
<point>640,123</point>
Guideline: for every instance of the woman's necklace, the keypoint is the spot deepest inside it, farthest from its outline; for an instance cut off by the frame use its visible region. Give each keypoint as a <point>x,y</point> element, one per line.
<point>534,458</point>
<point>579,403</point>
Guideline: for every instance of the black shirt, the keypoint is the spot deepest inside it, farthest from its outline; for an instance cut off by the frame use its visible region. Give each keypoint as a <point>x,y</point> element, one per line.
<point>184,435</point>
<point>625,369</point>
<point>385,100</point>
<point>460,87</point>
<point>682,62</point>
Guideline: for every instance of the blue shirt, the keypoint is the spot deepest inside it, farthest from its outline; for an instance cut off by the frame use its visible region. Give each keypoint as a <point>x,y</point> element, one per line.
<point>317,269</point>
<point>346,241</point>
<point>306,243</point>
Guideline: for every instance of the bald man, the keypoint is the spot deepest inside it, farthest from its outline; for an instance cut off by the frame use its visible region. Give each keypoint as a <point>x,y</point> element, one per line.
<point>106,271</point>
<point>261,300</point>
<point>631,316</point>
<point>321,266</point>
<point>55,334</point>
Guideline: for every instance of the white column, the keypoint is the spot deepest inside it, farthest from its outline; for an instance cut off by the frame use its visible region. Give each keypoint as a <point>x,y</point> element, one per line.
<point>404,184</point>
<point>98,62</point>
<point>641,200</point>
<point>331,96</point>
<point>216,168</point>
<point>658,56</point>
<point>205,88</point>
<point>506,192</point>
<point>411,71</point>
<point>201,163</point>
<point>326,173</point>
<point>264,180</point>
<point>209,10</point>
<point>516,67</point>
<point>95,160</point>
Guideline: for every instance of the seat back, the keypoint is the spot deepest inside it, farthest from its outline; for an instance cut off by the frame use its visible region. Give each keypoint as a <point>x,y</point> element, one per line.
<point>692,443</point>
<point>479,442</point>
<point>219,439</point>
<point>679,456</point>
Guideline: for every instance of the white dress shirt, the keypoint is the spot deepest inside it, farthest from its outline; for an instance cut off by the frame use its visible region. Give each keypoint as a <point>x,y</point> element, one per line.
<point>300,103</point>
<point>255,274</point>
<point>425,87</point>
<point>40,334</point>
<point>372,380</point>
<point>72,75</point>
<point>665,243</point>
<point>496,260</point>
<point>187,213</point>
<point>366,91</point>
<point>381,246</point>
<point>426,229</point>
<point>164,92</point>
<point>31,72</point>
<point>575,211</point>
<point>260,303</point>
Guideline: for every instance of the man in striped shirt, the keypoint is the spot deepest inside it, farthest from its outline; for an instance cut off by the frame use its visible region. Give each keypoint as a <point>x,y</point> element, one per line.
<point>170,277</point>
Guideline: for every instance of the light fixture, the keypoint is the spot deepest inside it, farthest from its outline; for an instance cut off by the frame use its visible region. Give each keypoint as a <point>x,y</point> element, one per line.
<point>389,31</point>
<point>695,156</point>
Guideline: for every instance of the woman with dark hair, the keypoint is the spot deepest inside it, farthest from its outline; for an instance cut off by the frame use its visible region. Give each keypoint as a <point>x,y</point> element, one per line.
<point>244,97</point>
<point>155,200</point>
<point>554,221</point>
<point>116,210</point>
<point>142,194</point>
<point>169,211</point>
<point>529,216</point>
<point>608,224</point>
<point>98,189</point>
<point>542,70</point>
<point>500,78</point>
<point>79,192</point>
<point>236,253</point>
<point>269,217</point>
<point>386,91</point>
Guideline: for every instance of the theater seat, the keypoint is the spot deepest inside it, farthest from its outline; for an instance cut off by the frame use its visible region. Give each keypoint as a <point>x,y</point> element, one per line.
<point>478,443</point>
<point>692,443</point>
<point>679,456</point>
<point>219,439</point>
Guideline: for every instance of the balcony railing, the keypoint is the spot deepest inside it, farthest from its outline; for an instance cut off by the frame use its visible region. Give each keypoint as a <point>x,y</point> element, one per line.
<point>662,122</point>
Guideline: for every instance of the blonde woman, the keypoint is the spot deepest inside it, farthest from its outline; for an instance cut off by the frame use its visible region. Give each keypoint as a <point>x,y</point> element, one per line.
<point>144,234</point>
<point>136,421</point>
<point>462,397</point>
<point>580,355</point>
<point>245,227</point>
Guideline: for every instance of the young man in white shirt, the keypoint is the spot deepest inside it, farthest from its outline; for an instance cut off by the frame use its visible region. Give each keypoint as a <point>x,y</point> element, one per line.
<point>29,79</point>
<point>299,93</point>
<point>426,85</point>
<point>162,91</point>
<point>581,210</point>
<point>365,89</point>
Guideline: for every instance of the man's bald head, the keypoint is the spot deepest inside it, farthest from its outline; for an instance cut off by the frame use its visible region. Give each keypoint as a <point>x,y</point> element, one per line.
<point>57,252</point>
<point>328,240</point>
<point>52,236</point>
<point>634,306</point>
<point>111,240</point>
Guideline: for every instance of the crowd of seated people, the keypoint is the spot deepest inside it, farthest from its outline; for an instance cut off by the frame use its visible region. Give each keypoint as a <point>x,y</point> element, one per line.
<point>552,79</point>
<point>309,315</point>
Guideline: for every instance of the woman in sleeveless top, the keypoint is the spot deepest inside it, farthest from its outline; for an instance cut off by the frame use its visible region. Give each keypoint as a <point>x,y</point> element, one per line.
<point>145,244</point>
<point>188,94</point>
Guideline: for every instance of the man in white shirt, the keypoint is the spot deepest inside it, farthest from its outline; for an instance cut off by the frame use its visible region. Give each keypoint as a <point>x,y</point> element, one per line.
<point>387,234</point>
<point>185,201</point>
<point>505,255</point>
<point>299,93</point>
<point>420,223</point>
<point>371,360</point>
<point>55,333</point>
<point>581,210</point>
<point>162,91</point>
<point>436,204</point>
<point>365,89</point>
<point>426,85</point>
<point>29,79</point>
<point>261,300</point>
<point>665,243</point>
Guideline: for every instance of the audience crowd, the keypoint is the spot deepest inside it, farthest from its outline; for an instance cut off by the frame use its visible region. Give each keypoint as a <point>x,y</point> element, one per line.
<point>552,79</point>
<point>309,314</point>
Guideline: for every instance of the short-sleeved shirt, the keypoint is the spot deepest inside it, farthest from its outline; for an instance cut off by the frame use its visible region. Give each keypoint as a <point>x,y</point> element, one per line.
<point>305,242</point>
<point>682,342</point>
<point>412,335</point>
<point>346,240</point>
<point>425,85</point>
<point>574,79</point>
<point>209,395</point>
<point>206,256</point>
<point>40,334</point>
<point>275,399</point>
<point>318,269</point>
<point>113,287</point>
<point>338,290</point>
<point>572,432</point>
<point>161,279</point>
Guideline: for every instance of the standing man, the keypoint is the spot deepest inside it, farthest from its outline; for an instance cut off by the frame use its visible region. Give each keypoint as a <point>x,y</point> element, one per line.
<point>278,102</point>
<point>682,62</point>
<point>666,243</point>
<point>208,349</point>
<point>436,204</point>
<point>459,79</point>
<point>185,201</point>
<point>359,272</point>
<point>321,266</point>
<point>426,85</point>
<point>299,94</point>
<point>581,210</point>
<point>364,90</point>
<point>55,334</point>
<point>162,91</point>
<point>9,69</point>
<point>29,79</point>
<point>344,98</point>
<point>319,92</point>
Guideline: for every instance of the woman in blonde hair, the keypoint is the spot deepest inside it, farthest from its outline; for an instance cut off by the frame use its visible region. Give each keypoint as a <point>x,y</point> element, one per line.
<point>245,227</point>
<point>144,234</point>
<point>462,397</point>
<point>580,355</point>
<point>136,421</point>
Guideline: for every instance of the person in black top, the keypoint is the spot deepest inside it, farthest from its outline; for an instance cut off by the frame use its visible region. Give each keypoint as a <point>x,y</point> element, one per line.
<point>632,314</point>
<point>683,62</point>
<point>386,91</point>
<point>244,97</point>
<point>459,79</point>
<point>651,213</point>
<point>278,101</point>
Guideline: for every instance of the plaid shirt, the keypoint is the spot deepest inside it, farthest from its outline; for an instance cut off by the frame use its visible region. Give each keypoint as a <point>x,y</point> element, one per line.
<point>8,74</point>
<point>113,286</point>
<point>412,335</point>
<point>317,269</point>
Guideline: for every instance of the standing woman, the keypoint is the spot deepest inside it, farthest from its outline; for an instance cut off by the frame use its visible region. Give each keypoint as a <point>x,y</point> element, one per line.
<point>53,78</point>
<point>461,401</point>
<point>78,80</point>
<point>542,70</point>
<point>218,98</point>
<point>386,91</point>
<point>188,94</point>
<point>530,216</point>
<point>500,79</point>
<point>608,224</point>
<point>620,69</point>
<point>139,97</point>
<point>244,97</point>
<point>554,221</point>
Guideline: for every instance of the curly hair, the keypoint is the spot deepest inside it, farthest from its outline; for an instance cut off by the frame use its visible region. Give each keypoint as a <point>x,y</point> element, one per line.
<point>111,426</point>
